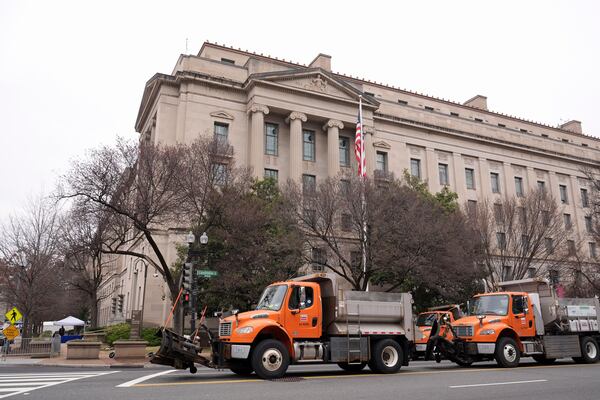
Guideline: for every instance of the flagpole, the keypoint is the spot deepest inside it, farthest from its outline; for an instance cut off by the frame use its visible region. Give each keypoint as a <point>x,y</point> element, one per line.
<point>363,199</point>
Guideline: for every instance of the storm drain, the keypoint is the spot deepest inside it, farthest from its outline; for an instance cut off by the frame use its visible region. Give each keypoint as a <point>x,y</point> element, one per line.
<point>288,379</point>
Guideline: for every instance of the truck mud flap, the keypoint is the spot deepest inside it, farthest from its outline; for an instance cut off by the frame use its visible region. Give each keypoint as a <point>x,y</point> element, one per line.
<point>178,352</point>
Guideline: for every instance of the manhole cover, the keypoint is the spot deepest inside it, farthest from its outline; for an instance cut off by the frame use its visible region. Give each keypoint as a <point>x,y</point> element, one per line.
<point>288,379</point>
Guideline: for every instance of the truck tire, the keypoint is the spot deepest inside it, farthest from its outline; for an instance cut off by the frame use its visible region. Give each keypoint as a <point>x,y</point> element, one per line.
<point>242,368</point>
<point>542,359</point>
<point>270,359</point>
<point>590,353</point>
<point>386,357</point>
<point>507,353</point>
<point>352,367</point>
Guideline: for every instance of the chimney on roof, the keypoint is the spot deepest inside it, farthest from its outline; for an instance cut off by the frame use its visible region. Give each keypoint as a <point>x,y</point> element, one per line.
<point>572,126</point>
<point>322,61</point>
<point>478,101</point>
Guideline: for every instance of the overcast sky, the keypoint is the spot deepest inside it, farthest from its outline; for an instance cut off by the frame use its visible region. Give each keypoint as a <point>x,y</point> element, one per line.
<point>72,73</point>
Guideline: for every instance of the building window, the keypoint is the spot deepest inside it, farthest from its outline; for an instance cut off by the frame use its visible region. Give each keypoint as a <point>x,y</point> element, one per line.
<point>472,208</point>
<point>355,259</point>
<point>403,102</point>
<point>549,242</point>
<point>415,167</point>
<point>506,272</point>
<point>567,220</point>
<point>310,216</point>
<point>571,247</point>
<point>346,222</point>
<point>593,253</point>
<point>220,173</point>
<point>344,151</point>
<point>523,130</point>
<point>382,163</point>
<point>546,217</point>
<point>564,198</point>
<point>531,272</point>
<point>308,151</point>
<point>429,108</point>
<point>271,174</point>
<point>495,177</point>
<point>585,202</point>
<point>443,173</point>
<point>588,224</point>
<point>541,185</point>
<point>544,135</point>
<point>478,120</point>
<point>454,114</point>
<point>309,184</point>
<point>227,61</point>
<point>319,259</point>
<point>271,139</point>
<point>501,126</point>
<point>565,140</point>
<point>519,186</point>
<point>498,214</point>
<point>221,132</point>
<point>501,239</point>
<point>345,186</point>
<point>470,178</point>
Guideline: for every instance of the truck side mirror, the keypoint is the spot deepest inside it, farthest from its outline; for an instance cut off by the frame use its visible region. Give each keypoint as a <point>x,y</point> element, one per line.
<point>302,297</point>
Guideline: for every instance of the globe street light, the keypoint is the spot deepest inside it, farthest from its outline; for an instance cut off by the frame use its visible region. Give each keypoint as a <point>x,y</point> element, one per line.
<point>204,238</point>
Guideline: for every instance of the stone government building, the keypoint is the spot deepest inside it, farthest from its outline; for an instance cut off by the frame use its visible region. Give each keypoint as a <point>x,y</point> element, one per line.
<point>290,120</point>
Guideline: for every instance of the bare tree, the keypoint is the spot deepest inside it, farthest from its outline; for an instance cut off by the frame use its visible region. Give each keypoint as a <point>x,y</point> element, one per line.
<point>29,246</point>
<point>144,189</point>
<point>410,240</point>
<point>520,237</point>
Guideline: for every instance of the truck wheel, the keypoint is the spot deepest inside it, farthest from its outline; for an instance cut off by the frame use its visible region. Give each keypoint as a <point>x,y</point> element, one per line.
<point>589,351</point>
<point>542,359</point>
<point>270,359</point>
<point>386,357</point>
<point>507,353</point>
<point>352,367</point>
<point>242,368</point>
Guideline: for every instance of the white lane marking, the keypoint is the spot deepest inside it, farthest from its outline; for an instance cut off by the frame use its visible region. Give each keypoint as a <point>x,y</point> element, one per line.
<point>497,383</point>
<point>145,378</point>
<point>69,377</point>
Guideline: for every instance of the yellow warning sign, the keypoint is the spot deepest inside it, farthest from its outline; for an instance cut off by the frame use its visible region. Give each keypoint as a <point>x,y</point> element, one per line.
<point>11,332</point>
<point>13,316</point>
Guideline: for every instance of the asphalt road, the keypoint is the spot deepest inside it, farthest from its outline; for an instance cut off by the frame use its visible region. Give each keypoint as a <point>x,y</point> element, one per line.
<point>421,380</point>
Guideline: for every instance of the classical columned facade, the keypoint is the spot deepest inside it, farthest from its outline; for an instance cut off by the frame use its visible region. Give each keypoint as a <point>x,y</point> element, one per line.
<point>293,121</point>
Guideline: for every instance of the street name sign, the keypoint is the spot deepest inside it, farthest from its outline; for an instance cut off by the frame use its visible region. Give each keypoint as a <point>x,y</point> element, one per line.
<point>11,332</point>
<point>13,316</point>
<point>207,273</point>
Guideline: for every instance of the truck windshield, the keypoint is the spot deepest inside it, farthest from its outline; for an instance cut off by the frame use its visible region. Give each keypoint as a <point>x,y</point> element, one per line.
<point>272,298</point>
<point>426,319</point>
<point>491,305</point>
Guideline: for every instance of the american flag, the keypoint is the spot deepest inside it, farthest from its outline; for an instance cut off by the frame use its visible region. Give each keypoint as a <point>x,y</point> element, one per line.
<point>359,143</point>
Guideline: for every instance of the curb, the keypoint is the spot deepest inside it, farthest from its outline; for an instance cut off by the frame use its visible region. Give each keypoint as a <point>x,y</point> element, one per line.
<point>91,366</point>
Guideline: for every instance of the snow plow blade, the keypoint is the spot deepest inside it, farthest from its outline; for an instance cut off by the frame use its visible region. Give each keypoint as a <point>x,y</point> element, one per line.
<point>178,352</point>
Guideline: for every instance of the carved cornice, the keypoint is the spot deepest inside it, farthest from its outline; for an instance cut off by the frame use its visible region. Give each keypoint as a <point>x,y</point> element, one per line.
<point>255,107</point>
<point>333,123</point>
<point>296,115</point>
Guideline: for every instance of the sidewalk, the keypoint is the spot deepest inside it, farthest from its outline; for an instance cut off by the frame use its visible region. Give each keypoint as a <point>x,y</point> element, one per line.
<point>61,361</point>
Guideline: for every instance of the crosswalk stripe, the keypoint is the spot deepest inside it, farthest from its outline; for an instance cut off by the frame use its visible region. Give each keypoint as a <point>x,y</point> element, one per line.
<point>25,383</point>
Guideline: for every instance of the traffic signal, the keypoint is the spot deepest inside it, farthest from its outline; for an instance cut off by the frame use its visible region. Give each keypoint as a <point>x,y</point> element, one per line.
<point>113,307</point>
<point>187,276</point>
<point>120,303</point>
<point>186,300</point>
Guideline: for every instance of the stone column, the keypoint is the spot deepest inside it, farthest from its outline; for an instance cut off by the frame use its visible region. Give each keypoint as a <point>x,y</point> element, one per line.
<point>531,180</point>
<point>295,119</point>
<point>575,202</point>
<point>369,150</point>
<point>432,171</point>
<point>257,114</point>
<point>460,185</point>
<point>332,127</point>
<point>484,176</point>
<point>509,180</point>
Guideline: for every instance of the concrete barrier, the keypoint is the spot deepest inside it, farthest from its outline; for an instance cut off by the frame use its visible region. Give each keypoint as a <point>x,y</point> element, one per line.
<point>95,337</point>
<point>130,349</point>
<point>83,350</point>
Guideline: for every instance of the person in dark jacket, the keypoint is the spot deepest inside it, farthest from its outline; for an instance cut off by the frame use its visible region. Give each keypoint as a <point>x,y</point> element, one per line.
<point>61,331</point>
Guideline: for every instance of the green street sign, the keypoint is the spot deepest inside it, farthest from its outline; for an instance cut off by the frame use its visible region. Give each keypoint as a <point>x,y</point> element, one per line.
<point>206,273</point>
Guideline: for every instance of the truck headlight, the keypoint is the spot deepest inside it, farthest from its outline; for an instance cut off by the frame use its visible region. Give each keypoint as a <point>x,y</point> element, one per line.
<point>244,330</point>
<point>487,332</point>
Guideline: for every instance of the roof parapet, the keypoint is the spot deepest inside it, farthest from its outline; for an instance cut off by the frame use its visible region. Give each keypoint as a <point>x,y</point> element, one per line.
<point>478,101</point>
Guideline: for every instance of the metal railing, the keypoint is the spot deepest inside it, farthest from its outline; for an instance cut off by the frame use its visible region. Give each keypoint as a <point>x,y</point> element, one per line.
<point>30,347</point>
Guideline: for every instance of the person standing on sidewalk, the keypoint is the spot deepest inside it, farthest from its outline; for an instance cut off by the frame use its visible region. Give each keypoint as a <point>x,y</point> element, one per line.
<point>61,331</point>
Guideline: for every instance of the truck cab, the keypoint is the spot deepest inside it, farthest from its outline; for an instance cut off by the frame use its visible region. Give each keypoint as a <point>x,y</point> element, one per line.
<point>425,320</point>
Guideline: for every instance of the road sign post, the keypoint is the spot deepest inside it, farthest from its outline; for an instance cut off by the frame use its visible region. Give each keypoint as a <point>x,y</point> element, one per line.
<point>207,273</point>
<point>11,332</point>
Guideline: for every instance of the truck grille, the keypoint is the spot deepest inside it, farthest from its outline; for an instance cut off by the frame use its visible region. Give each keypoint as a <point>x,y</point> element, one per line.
<point>463,330</point>
<point>225,329</point>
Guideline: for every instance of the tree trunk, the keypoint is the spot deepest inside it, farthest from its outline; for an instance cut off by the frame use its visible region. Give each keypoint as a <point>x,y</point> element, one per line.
<point>94,309</point>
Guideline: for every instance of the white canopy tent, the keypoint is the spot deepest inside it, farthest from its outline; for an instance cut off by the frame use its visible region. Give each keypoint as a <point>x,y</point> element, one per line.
<point>70,321</point>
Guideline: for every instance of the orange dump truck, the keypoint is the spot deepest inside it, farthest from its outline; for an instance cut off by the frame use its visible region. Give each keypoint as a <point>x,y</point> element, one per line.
<point>526,318</point>
<point>425,321</point>
<point>306,320</point>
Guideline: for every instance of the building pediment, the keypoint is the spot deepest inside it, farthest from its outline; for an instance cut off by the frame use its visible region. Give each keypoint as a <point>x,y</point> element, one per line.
<point>221,114</point>
<point>316,81</point>
<point>382,145</point>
